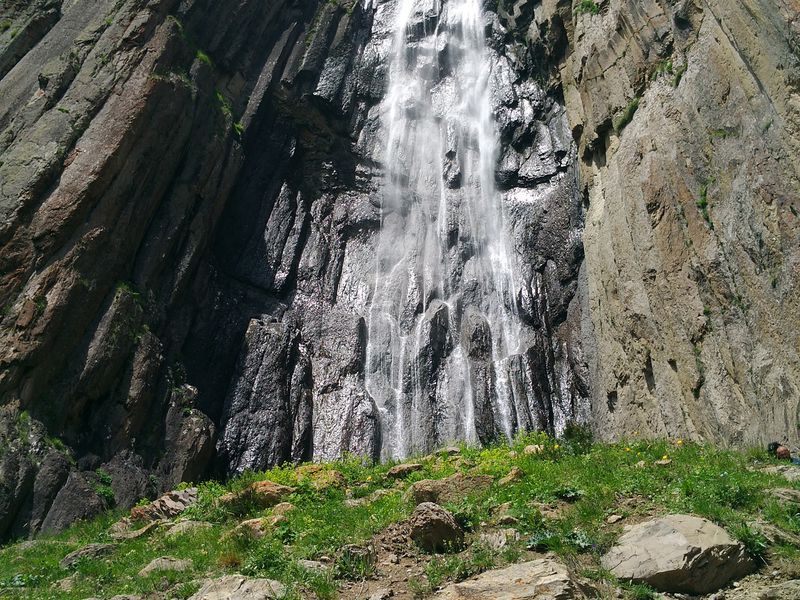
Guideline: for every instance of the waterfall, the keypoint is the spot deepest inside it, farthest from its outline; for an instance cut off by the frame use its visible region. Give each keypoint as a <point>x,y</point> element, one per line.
<point>443,320</point>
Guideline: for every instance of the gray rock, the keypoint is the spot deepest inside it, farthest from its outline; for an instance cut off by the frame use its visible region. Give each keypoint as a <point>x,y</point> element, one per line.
<point>678,553</point>
<point>165,563</point>
<point>88,552</point>
<point>788,472</point>
<point>313,565</point>
<point>497,540</point>
<point>542,578</point>
<point>187,528</point>
<point>434,529</point>
<point>237,587</point>
<point>75,501</point>
<point>786,495</point>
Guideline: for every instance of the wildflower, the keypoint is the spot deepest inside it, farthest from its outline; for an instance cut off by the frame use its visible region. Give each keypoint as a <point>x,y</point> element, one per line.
<point>679,442</point>
<point>556,447</point>
<point>369,478</point>
<point>627,449</point>
<point>665,457</point>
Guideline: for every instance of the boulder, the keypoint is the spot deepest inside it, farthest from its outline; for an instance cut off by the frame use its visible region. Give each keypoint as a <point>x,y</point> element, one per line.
<point>314,566</point>
<point>515,474</point>
<point>187,527</point>
<point>75,501</point>
<point>497,540</point>
<point>321,478</point>
<point>678,553</point>
<point>237,587</point>
<point>785,495</point>
<point>434,529</point>
<point>89,552</point>
<point>255,527</point>
<point>165,563</point>
<point>545,579</point>
<point>533,449</point>
<point>449,489</point>
<point>403,470</point>
<point>168,506</point>
<point>788,472</point>
<point>121,530</point>
<point>282,508</point>
<point>260,495</point>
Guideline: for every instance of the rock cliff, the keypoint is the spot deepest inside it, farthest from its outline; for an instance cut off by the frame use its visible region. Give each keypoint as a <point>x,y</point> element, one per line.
<point>190,208</point>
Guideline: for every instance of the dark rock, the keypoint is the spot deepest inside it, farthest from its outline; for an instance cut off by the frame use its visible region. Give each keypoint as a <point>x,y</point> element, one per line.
<point>75,501</point>
<point>129,479</point>
<point>52,475</point>
<point>434,529</point>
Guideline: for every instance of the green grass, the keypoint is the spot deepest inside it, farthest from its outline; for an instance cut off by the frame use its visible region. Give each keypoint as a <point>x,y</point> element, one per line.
<point>588,482</point>
<point>626,115</point>
<point>702,204</point>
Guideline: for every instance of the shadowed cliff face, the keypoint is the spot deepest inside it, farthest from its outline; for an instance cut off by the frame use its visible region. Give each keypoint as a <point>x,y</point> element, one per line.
<point>190,214</point>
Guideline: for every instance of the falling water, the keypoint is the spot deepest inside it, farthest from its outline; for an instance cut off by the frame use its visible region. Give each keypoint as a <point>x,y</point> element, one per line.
<point>443,320</point>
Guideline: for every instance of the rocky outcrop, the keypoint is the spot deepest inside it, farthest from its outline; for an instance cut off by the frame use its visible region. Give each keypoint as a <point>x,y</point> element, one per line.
<point>687,119</point>
<point>678,553</point>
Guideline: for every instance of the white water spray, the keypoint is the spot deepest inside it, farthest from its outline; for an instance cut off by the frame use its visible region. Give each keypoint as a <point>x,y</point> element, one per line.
<point>443,249</point>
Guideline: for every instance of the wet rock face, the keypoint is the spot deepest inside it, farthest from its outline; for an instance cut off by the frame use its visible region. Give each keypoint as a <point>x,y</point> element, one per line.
<point>303,266</point>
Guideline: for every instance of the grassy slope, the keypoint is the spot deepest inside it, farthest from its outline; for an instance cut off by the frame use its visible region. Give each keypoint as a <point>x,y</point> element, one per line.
<point>598,480</point>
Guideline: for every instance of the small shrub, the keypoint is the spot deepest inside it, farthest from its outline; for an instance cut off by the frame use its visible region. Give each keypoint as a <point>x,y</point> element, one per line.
<point>702,204</point>
<point>544,540</point>
<point>587,7</point>
<point>569,494</point>
<point>103,487</point>
<point>640,591</point>
<point>676,80</point>
<point>268,558</point>
<point>753,541</point>
<point>355,565</point>
<point>578,438</point>
<point>626,116</point>
<point>204,58</point>
<point>5,25</point>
